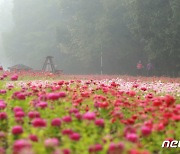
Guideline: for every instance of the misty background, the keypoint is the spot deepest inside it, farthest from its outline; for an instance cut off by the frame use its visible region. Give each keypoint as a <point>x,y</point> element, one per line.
<point>75,32</point>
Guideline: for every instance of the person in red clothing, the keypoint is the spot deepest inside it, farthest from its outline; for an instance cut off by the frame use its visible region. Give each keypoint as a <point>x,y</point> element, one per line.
<point>1,68</point>
<point>139,67</point>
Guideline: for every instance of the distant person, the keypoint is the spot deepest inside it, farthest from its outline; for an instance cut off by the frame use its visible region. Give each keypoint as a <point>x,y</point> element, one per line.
<point>139,67</point>
<point>1,68</point>
<point>149,68</point>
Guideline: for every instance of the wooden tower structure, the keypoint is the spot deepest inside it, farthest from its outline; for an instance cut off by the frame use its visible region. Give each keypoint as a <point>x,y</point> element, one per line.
<point>49,65</point>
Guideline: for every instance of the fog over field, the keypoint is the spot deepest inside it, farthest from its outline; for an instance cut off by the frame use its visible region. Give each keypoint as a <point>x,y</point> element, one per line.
<point>92,37</point>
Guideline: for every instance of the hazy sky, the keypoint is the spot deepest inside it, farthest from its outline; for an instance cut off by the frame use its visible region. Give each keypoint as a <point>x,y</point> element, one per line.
<point>5,25</point>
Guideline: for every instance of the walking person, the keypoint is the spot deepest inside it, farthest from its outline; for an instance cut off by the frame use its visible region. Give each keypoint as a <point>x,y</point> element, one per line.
<point>149,69</point>
<point>139,67</point>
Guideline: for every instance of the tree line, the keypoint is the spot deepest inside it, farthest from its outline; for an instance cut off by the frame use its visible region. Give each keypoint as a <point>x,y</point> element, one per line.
<point>77,32</point>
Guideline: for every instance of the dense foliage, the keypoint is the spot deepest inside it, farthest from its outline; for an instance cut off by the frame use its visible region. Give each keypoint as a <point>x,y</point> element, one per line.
<point>76,32</point>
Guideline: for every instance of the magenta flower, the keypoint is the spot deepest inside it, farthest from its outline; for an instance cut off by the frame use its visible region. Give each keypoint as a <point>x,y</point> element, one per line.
<point>16,130</point>
<point>21,96</point>
<point>2,151</point>
<point>78,116</point>
<point>3,115</point>
<point>62,94</point>
<point>17,108</point>
<point>3,91</point>
<point>51,142</point>
<point>42,105</point>
<point>20,145</point>
<point>14,77</point>
<point>99,122</point>
<point>132,137</point>
<point>67,119</point>
<point>56,122</point>
<point>2,105</point>
<point>33,138</point>
<point>146,130</point>
<point>53,96</point>
<point>67,132</point>
<point>38,122</point>
<point>116,148</point>
<point>89,116</point>
<point>66,151</point>
<point>75,137</point>
<point>33,114</point>
<point>19,114</point>
<point>95,148</point>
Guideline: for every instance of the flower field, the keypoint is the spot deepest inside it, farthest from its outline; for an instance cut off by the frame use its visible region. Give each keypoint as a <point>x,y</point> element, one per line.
<point>88,115</point>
